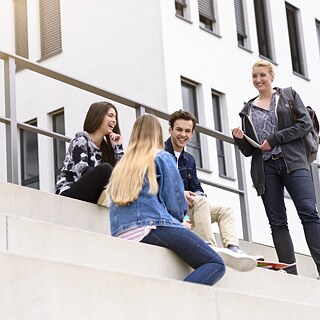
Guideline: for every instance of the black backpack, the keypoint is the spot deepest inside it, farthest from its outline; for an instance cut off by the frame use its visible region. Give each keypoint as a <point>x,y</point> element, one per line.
<point>311,140</point>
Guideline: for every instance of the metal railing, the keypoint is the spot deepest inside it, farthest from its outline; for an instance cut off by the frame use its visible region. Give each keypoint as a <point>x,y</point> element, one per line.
<point>12,126</point>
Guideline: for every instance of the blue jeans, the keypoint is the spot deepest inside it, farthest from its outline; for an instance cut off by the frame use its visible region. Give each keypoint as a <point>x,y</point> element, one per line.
<point>208,266</point>
<point>300,187</point>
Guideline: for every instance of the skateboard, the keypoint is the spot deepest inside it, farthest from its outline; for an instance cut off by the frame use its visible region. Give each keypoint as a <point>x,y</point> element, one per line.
<point>272,265</point>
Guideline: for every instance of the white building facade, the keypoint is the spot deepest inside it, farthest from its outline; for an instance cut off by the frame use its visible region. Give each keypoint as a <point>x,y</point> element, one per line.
<point>191,54</point>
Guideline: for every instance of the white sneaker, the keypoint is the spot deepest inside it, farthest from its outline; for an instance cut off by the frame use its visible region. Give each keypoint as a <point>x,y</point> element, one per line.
<point>238,250</point>
<point>236,261</point>
<point>257,257</point>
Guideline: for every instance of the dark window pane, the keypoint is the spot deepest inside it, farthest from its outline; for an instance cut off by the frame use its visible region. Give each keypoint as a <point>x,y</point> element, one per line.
<point>30,159</point>
<point>59,147</point>
<point>179,8</point>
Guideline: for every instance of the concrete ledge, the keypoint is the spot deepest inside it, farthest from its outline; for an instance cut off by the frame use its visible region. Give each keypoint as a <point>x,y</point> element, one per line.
<point>48,207</point>
<point>3,232</point>
<point>63,244</point>
<point>38,289</point>
<point>43,240</point>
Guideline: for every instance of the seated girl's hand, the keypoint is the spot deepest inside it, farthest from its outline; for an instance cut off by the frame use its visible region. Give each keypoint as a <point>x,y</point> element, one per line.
<point>115,138</point>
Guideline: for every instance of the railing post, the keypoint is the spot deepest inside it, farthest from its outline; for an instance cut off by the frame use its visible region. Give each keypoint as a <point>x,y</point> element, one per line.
<point>11,127</point>
<point>316,182</point>
<point>244,203</point>
<point>140,111</point>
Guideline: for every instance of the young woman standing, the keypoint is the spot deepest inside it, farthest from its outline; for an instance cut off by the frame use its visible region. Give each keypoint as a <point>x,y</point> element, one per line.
<point>281,161</point>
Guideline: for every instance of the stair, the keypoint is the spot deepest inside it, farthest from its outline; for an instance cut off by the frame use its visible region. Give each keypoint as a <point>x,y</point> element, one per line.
<point>58,261</point>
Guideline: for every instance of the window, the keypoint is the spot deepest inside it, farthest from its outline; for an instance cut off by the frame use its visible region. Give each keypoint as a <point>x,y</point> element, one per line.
<point>295,39</point>
<point>318,33</point>
<point>29,158</point>
<point>189,102</point>
<point>263,28</point>
<point>21,28</point>
<point>240,23</point>
<point>180,8</point>
<point>218,126</point>
<point>50,28</point>
<point>207,14</point>
<point>59,147</point>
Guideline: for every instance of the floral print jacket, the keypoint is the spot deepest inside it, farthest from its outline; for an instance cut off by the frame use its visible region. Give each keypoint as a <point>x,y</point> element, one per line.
<point>82,155</point>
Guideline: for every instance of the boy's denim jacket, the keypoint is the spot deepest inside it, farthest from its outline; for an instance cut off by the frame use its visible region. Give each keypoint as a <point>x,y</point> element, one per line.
<point>167,208</point>
<point>187,169</point>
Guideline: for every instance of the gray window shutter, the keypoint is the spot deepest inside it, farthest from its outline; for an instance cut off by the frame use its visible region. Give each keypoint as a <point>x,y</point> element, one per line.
<point>238,7</point>
<point>318,33</point>
<point>206,9</point>
<point>294,39</point>
<point>21,28</point>
<point>50,27</point>
<point>262,24</point>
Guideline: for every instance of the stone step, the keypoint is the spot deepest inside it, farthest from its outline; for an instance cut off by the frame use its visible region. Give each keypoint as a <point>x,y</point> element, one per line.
<point>64,244</point>
<point>42,289</point>
<point>42,206</point>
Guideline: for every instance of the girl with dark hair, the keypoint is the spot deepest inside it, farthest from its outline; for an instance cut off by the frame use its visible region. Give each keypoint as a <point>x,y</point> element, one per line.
<point>91,155</point>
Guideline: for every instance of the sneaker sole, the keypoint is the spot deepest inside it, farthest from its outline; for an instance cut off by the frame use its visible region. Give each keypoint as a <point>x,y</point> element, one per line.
<point>239,263</point>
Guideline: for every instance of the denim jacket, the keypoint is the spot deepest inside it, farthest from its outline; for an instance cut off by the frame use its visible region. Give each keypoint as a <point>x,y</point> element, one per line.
<point>289,136</point>
<point>167,208</point>
<point>187,169</point>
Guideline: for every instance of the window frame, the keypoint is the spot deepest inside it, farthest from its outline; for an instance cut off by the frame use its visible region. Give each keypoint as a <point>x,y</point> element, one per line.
<point>181,5</point>
<point>264,29</point>
<point>56,143</point>
<point>295,40</point>
<point>218,126</point>
<point>318,32</point>
<point>195,142</point>
<point>240,11</point>
<point>208,16</point>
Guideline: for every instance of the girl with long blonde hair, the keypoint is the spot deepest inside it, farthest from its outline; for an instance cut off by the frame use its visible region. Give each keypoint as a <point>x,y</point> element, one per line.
<point>148,203</point>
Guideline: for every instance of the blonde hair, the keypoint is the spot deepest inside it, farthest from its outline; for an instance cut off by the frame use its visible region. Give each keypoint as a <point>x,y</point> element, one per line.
<point>127,177</point>
<point>266,64</point>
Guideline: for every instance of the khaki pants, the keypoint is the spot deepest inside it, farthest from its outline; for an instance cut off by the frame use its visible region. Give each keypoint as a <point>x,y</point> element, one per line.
<point>203,214</point>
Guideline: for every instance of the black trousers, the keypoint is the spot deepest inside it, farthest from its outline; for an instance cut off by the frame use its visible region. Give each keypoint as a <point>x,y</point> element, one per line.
<point>89,187</point>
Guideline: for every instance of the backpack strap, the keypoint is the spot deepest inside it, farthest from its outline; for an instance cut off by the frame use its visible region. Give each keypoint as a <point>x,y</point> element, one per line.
<point>287,93</point>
